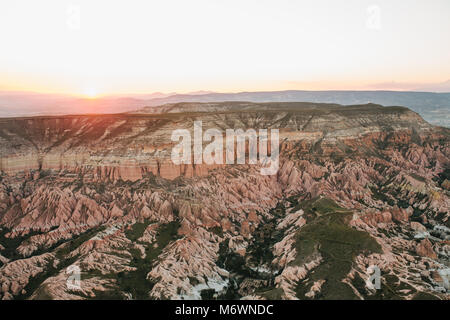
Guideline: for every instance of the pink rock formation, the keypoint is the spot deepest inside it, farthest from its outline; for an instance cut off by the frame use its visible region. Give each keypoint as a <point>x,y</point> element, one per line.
<point>91,179</point>
<point>425,249</point>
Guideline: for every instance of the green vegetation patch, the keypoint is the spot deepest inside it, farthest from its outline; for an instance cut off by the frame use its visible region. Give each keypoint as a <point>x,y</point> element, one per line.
<point>425,296</point>
<point>272,294</point>
<point>34,284</point>
<point>136,282</point>
<point>378,194</point>
<point>259,252</point>
<point>78,241</point>
<point>11,244</point>
<point>137,230</point>
<point>217,231</point>
<point>207,294</point>
<point>328,233</point>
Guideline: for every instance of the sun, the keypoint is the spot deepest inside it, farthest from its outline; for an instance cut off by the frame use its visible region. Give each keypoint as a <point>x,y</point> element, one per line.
<point>90,93</point>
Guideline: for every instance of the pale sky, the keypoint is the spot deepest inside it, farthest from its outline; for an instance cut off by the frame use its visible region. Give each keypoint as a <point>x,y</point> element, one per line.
<point>97,47</point>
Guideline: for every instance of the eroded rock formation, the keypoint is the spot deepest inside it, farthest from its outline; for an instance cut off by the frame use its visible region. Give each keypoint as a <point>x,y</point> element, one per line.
<point>101,193</point>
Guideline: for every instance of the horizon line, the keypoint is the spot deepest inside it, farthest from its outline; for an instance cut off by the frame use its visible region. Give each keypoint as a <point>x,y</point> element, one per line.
<point>206,92</point>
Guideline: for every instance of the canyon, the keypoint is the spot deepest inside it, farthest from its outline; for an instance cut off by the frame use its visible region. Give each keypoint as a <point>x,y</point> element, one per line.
<point>357,186</point>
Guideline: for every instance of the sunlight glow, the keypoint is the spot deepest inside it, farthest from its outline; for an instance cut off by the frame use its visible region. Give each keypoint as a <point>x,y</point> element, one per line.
<point>234,45</point>
<point>90,93</point>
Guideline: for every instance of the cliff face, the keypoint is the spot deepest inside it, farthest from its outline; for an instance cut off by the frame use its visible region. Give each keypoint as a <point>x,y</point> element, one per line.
<point>101,192</point>
<point>128,145</point>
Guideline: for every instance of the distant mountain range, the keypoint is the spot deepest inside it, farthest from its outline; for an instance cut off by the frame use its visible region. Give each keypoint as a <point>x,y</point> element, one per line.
<point>433,107</point>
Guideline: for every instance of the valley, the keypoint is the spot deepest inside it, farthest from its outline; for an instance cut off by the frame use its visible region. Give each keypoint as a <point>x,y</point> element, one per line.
<point>357,186</point>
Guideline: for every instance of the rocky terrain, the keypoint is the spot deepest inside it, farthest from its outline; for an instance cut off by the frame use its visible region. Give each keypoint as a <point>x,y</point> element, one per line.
<point>433,106</point>
<point>357,186</point>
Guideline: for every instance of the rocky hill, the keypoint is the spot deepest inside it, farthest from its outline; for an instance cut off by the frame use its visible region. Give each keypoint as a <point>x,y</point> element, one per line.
<point>434,107</point>
<point>357,186</point>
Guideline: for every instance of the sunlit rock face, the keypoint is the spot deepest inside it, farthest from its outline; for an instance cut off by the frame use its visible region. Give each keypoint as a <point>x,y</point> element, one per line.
<point>102,194</point>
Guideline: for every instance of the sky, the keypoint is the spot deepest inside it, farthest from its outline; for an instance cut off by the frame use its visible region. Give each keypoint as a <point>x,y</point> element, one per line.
<point>100,47</point>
